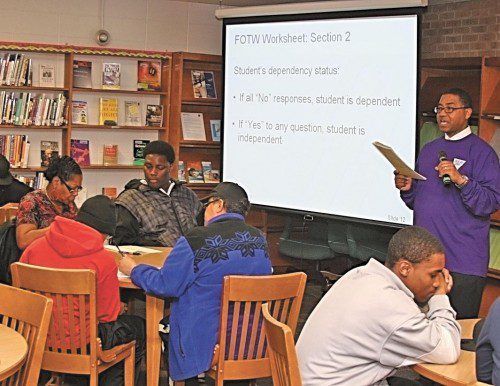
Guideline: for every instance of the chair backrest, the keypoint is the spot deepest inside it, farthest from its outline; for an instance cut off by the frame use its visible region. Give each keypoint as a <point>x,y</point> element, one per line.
<point>72,339</point>
<point>242,347</point>
<point>282,354</point>
<point>7,213</point>
<point>29,314</point>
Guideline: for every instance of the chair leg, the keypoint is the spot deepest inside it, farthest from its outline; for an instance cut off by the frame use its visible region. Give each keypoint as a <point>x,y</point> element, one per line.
<point>129,364</point>
<point>219,381</point>
<point>94,377</point>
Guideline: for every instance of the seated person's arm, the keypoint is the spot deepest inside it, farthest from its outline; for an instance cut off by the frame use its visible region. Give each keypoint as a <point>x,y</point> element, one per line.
<point>27,233</point>
<point>484,354</point>
<point>433,338</point>
<point>128,229</point>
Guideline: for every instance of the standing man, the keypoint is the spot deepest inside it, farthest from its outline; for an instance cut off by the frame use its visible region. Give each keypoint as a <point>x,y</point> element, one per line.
<point>11,190</point>
<point>156,210</point>
<point>193,275</point>
<point>368,324</point>
<point>455,202</point>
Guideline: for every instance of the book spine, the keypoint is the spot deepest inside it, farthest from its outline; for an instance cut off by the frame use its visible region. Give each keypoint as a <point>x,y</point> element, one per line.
<point>29,75</point>
<point>2,70</point>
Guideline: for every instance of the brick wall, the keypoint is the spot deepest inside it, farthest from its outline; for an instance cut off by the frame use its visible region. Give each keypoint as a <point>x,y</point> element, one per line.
<point>457,28</point>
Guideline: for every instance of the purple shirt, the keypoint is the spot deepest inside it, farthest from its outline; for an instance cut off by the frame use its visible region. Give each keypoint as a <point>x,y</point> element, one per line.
<point>459,218</point>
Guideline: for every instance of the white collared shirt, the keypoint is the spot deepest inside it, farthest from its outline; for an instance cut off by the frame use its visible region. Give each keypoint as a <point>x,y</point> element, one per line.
<point>462,134</point>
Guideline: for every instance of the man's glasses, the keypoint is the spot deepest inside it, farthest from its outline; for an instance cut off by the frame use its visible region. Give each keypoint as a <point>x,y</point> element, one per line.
<point>210,202</point>
<point>76,189</point>
<point>448,109</point>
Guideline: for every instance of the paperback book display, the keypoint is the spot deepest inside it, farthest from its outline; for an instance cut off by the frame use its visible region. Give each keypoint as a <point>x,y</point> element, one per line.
<point>48,150</point>
<point>80,151</point>
<point>47,75</point>
<point>154,115</point>
<point>181,172</point>
<point>203,84</point>
<point>110,155</point>
<point>207,171</point>
<point>111,76</point>
<point>79,113</point>
<point>139,145</point>
<point>31,109</point>
<point>82,74</point>
<point>215,129</point>
<point>195,172</point>
<point>108,111</point>
<point>132,113</point>
<point>148,76</point>
<point>193,127</point>
<point>16,70</point>
<point>15,147</point>
<point>110,191</point>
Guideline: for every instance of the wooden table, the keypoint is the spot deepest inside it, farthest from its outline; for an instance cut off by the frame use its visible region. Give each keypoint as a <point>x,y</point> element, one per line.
<point>461,373</point>
<point>154,313</point>
<point>13,351</point>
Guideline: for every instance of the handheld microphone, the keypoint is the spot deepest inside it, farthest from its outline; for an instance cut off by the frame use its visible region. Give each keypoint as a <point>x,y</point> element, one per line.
<point>446,178</point>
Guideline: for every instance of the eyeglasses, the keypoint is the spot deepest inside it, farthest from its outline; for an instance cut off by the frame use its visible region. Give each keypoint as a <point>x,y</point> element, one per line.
<point>76,189</point>
<point>206,204</point>
<point>448,109</point>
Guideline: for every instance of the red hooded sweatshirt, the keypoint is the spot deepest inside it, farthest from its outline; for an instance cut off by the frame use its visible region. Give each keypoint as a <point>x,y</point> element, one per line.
<point>69,244</point>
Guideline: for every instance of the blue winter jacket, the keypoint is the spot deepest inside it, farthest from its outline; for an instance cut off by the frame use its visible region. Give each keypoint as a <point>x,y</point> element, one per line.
<point>193,275</point>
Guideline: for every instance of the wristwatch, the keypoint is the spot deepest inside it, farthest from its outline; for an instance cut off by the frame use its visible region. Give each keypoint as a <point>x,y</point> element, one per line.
<point>466,181</point>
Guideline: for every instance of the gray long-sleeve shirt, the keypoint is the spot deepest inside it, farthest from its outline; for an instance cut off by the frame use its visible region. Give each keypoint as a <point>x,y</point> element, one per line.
<point>368,325</point>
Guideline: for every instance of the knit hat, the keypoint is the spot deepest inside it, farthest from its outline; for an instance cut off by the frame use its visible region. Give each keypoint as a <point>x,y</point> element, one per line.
<point>98,212</point>
<point>5,176</point>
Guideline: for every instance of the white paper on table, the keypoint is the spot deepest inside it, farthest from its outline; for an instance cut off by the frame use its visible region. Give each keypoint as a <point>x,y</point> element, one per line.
<point>131,249</point>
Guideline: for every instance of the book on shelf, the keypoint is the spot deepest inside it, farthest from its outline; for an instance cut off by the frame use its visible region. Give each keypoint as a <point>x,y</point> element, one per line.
<point>79,112</point>
<point>48,151</point>
<point>193,127</point>
<point>154,115</point>
<point>110,155</point>
<point>203,84</point>
<point>110,191</point>
<point>80,151</point>
<point>215,176</point>
<point>194,172</point>
<point>181,172</point>
<point>16,70</point>
<point>108,111</point>
<point>138,150</point>
<point>31,109</point>
<point>47,75</point>
<point>111,76</point>
<point>215,129</point>
<point>208,175</point>
<point>148,75</point>
<point>36,182</point>
<point>82,74</point>
<point>132,113</point>
<point>15,147</point>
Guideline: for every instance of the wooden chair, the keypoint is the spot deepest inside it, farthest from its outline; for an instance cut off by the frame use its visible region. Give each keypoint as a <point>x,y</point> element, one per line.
<point>29,314</point>
<point>7,213</point>
<point>282,354</point>
<point>241,352</point>
<point>73,290</point>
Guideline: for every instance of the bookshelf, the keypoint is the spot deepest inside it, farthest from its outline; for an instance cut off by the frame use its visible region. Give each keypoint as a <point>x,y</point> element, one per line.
<point>61,57</point>
<point>183,100</point>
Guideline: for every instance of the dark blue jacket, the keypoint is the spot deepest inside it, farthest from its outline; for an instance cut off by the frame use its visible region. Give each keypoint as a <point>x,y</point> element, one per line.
<point>193,274</point>
<point>488,348</point>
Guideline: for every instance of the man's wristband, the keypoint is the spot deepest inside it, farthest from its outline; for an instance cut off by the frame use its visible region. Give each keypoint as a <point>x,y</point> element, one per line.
<point>465,182</point>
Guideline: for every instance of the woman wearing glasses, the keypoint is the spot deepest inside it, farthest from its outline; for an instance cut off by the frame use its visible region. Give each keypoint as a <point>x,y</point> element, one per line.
<point>38,209</point>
